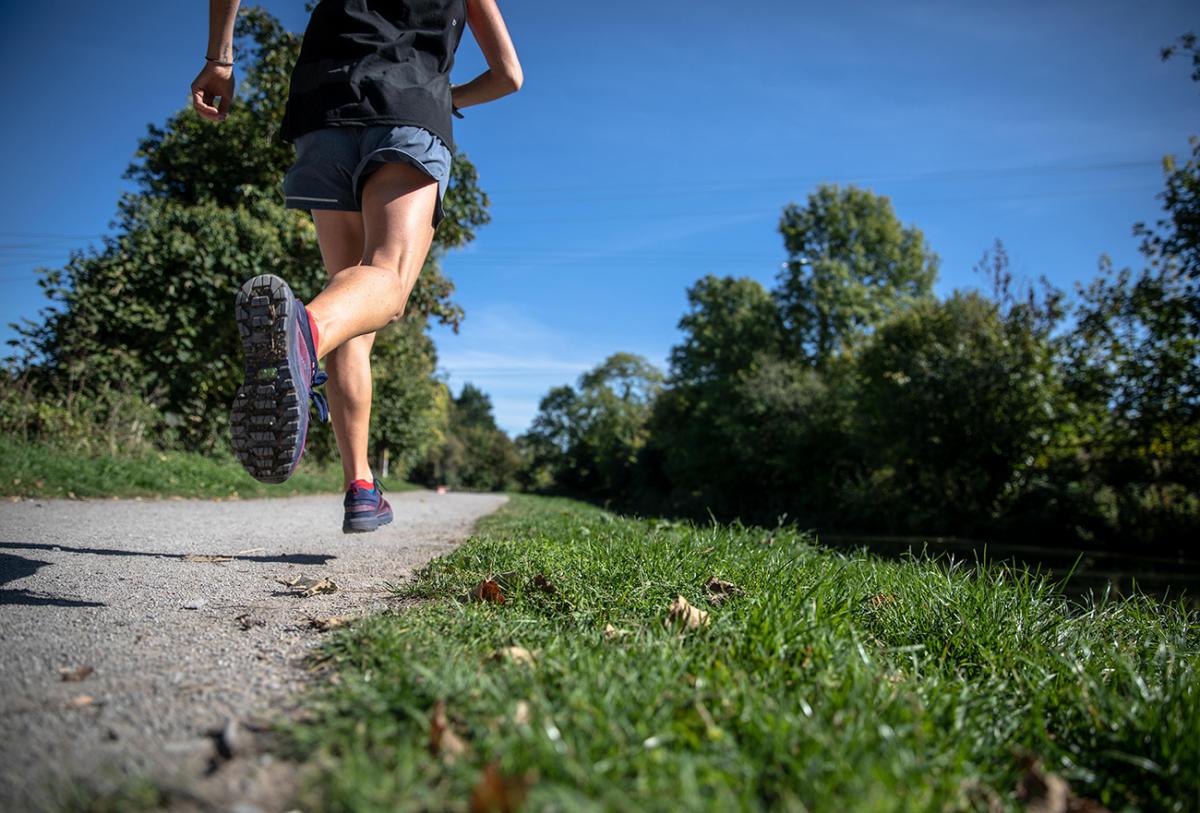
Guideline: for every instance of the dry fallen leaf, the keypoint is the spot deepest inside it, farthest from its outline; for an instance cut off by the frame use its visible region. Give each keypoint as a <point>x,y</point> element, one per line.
<point>542,583</point>
<point>487,590</point>
<point>248,621</point>
<point>305,586</point>
<point>720,591</point>
<point>612,633</point>
<point>685,616</point>
<point>880,600</point>
<point>203,557</point>
<point>74,674</point>
<point>497,792</point>
<point>516,654</point>
<point>521,715</point>
<point>1045,792</point>
<point>330,623</point>
<point>80,701</point>
<point>443,741</point>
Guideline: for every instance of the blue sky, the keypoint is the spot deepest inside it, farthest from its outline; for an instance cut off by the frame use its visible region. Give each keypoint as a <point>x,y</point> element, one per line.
<point>657,142</point>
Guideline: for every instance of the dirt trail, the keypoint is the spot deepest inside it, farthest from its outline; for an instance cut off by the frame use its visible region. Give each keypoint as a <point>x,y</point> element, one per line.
<point>123,588</point>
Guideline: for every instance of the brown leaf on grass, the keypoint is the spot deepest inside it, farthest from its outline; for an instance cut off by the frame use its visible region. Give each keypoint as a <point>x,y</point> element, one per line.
<point>204,557</point>
<point>720,591</point>
<point>540,582</point>
<point>487,590</point>
<point>880,600</point>
<point>443,742</point>
<point>1045,792</point>
<point>685,617</point>
<point>74,674</point>
<point>330,623</point>
<point>611,633</point>
<point>80,701</point>
<point>516,654</point>
<point>497,792</point>
<point>306,586</point>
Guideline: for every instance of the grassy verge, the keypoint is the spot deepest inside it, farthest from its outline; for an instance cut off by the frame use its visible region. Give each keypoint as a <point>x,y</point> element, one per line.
<point>830,682</point>
<point>37,470</point>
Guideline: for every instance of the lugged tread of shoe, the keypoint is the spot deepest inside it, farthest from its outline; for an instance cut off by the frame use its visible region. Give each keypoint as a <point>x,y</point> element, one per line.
<point>266,419</point>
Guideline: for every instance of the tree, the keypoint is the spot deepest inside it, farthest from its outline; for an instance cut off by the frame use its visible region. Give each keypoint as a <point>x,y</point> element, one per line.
<point>589,441</point>
<point>150,311</point>
<point>474,452</point>
<point>957,404</point>
<point>851,264</point>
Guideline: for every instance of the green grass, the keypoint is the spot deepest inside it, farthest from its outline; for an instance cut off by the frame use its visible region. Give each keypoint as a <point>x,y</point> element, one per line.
<point>39,470</point>
<point>834,683</point>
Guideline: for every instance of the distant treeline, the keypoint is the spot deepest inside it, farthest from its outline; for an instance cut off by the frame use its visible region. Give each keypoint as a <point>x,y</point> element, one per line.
<point>849,398</point>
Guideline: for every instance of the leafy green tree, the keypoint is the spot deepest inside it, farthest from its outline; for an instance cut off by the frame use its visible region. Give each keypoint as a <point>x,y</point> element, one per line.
<point>150,311</point>
<point>474,452</point>
<point>957,405</point>
<point>701,449</point>
<point>851,265</point>
<point>589,441</point>
<point>411,413</point>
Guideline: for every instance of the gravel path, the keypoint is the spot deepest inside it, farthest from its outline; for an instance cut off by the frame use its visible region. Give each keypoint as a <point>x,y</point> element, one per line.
<point>107,585</point>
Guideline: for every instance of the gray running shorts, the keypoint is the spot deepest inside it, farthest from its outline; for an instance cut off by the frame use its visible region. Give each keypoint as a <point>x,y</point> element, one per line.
<point>333,163</point>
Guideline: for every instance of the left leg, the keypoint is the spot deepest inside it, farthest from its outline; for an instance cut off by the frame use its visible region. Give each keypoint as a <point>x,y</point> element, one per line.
<point>340,235</point>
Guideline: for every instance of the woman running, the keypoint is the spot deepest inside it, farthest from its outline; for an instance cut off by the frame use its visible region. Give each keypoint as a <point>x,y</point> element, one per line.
<point>369,111</point>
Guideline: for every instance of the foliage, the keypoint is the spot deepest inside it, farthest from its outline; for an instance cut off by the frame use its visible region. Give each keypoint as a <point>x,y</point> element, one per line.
<point>957,404</point>
<point>40,469</point>
<point>409,407</point>
<point>829,682</point>
<point>590,439</point>
<point>851,264</point>
<point>474,452</point>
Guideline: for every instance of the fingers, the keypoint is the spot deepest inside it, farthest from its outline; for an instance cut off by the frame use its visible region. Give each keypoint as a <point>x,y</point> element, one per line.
<point>211,96</point>
<point>202,102</point>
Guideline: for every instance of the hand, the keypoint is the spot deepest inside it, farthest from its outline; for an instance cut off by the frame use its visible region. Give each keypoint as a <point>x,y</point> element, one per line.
<point>213,81</point>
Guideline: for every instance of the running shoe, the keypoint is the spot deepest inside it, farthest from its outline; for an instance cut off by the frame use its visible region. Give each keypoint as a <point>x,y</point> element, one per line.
<point>366,509</point>
<point>269,422</point>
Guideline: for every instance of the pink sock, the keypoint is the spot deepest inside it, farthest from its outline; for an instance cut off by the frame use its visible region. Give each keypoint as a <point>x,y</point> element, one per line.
<point>364,485</point>
<point>316,334</point>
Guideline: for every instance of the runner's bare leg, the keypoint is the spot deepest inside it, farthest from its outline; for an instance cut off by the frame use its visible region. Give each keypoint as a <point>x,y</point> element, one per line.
<point>349,366</point>
<point>398,203</point>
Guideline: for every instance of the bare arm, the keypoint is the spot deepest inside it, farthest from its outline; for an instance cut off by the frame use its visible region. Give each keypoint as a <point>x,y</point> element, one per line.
<point>217,80</point>
<point>503,75</point>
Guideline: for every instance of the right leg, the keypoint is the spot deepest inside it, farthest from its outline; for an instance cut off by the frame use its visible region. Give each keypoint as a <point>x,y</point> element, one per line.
<point>340,235</point>
<point>398,203</point>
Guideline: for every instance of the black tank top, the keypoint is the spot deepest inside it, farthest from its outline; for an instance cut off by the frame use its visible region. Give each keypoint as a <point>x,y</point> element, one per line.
<point>367,62</point>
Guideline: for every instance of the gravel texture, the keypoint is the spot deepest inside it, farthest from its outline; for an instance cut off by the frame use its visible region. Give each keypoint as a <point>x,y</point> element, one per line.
<point>179,647</point>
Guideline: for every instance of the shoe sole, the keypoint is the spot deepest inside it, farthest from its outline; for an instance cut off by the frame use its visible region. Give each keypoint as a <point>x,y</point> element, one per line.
<point>267,422</point>
<point>366,526</point>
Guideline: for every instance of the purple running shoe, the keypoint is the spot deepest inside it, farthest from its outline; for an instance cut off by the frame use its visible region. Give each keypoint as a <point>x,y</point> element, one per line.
<point>366,509</point>
<point>269,422</point>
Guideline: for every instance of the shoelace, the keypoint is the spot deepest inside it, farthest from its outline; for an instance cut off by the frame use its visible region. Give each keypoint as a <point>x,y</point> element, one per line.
<point>318,399</point>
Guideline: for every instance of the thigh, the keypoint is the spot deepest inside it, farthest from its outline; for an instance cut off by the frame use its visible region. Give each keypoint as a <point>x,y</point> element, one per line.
<point>340,235</point>
<point>398,203</point>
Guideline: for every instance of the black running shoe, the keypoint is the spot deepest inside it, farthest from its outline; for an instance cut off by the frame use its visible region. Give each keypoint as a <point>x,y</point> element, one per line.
<point>269,422</point>
<point>366,509</point>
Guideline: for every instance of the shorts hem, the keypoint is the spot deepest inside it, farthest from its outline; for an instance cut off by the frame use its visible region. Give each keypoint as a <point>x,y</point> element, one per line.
<point>388,155</point>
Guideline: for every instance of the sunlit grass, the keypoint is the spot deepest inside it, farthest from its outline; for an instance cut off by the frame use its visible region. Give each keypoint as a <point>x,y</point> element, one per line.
<point>39,470</point>
<point>833,683</point>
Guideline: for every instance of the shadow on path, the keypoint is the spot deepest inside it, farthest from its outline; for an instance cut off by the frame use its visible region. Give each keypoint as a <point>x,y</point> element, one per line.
<point>18,567</point>
<point>282,558</point>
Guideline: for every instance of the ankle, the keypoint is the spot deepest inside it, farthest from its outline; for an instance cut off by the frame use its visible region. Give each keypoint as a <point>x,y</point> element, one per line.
<point>360,478</point>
